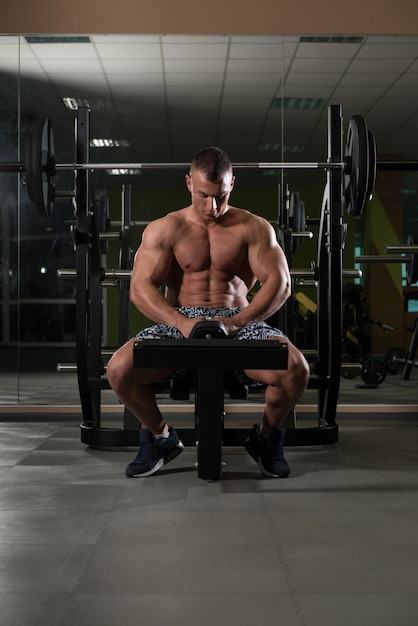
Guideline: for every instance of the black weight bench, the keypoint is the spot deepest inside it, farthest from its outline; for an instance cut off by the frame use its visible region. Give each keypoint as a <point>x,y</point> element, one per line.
<point>210,357</point>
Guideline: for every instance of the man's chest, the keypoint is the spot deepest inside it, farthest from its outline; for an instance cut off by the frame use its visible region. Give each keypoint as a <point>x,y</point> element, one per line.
<point>222,250</point>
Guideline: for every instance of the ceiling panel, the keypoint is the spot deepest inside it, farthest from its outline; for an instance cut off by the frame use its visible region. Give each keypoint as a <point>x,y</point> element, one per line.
<point>379,66</point>
<point>256,51</point>
<point>168,94</point>
<point>319,66</point>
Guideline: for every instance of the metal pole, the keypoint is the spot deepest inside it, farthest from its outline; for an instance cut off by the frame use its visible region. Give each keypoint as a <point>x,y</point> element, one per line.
<point>20,166</point>
<point>153,166</point>
<point>374,258</point>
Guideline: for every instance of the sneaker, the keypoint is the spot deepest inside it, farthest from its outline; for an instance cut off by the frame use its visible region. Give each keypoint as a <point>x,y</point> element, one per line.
<point>268,452</point>
<point>154,453</point>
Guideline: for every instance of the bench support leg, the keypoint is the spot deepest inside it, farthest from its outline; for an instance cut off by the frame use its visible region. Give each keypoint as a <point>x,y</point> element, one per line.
<point>210,411</point>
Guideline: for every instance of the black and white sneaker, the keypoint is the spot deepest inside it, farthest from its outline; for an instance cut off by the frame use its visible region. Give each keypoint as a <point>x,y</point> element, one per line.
<point>267,452</point>
<point>154,452</point>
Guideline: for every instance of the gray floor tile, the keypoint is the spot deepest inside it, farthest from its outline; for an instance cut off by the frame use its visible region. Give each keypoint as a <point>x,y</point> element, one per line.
<point>23,497</point>
<point>17,432</point>
<point>81,474</point>
<point>346,526</point>
<point>185,568</point>
<point>355,568</point>
<point>313,495</point>
<point>376,609</point>
<point>188,527</point>
<point>202,609</point>
<point>40,568</point>
<point>10,457</point>
<point>33,608</point>
<point>61,458</point>
<point>51,527</point>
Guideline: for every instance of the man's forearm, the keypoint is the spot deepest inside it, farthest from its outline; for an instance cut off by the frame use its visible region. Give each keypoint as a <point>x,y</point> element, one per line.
<point>266,301</point>
<point>153,304</point>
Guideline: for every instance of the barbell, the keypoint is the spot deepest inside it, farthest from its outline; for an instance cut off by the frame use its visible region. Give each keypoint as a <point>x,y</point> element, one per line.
<point>40,167</point>
<point>114,275</point>
<point>407,254</point>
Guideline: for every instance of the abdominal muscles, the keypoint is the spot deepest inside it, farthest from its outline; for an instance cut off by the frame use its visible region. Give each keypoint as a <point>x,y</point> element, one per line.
<point>212,288</point>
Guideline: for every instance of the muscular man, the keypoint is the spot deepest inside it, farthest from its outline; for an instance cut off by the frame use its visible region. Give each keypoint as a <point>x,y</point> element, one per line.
<point>208,256</point>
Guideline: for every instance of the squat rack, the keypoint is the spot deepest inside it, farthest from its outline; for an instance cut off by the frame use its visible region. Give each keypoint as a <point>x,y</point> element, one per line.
<point>90,278</point>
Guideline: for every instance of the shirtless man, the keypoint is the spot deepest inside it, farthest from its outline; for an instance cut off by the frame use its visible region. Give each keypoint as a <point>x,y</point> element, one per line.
<point>209,255</point>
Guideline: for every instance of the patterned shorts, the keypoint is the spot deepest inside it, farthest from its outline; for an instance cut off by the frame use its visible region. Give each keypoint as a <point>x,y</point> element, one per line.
<point>254,330</point>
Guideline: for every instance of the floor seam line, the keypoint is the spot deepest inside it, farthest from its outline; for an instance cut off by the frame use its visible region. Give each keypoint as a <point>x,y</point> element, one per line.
<point>285,566</point>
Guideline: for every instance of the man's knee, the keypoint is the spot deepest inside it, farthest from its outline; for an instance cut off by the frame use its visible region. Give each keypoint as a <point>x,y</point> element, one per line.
<point>301,369</point>
<point>112,372</point>
<point>118,367</point>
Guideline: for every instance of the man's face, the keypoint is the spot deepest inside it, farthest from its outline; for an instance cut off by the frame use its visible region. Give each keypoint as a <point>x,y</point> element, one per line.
<point>210,199</point>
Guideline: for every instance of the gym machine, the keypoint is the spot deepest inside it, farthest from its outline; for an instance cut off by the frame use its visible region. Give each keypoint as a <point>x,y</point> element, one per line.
<point>349,182</point>
<point>327,274</point>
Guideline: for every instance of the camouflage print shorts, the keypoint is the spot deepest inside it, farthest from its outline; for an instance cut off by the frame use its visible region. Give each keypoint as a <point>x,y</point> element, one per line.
<point>254,330</point>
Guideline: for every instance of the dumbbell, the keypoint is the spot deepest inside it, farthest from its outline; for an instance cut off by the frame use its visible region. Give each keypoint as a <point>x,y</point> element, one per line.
<point>208,329</point>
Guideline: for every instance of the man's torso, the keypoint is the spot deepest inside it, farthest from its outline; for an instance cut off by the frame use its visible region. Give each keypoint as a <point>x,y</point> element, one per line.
<point>210,263</point>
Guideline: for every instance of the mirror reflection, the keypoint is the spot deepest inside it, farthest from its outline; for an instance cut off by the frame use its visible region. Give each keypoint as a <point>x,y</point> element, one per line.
<point>159,99</point>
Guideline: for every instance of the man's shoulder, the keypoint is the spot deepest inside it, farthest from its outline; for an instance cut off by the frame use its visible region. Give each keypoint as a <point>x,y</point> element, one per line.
<point>176,216</point>
<point>246,216</point>
<point>169,220</point>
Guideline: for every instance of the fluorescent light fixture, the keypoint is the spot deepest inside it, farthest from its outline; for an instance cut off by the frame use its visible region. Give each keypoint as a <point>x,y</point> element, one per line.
<point>278,146</point>
<point>109,143</point>
<point>301,104</point>
<point>331,39</point>
<point>72,104</point>
<point>408,192</point>
<point>275,172</point>
<point>270,146</point>
<point>57,39</point>
<point>123,172</point>
<point>295,148</point>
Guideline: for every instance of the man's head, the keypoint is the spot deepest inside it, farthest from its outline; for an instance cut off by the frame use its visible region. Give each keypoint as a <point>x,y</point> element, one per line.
<point>210,182</point>
<point>213,162</point>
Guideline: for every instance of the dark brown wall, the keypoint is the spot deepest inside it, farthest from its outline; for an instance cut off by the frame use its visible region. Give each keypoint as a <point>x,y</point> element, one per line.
<point>215,17</point>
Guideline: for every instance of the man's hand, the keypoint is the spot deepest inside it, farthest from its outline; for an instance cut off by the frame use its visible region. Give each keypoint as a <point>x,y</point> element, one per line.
<point>187,324</point>
<point>229,323</point>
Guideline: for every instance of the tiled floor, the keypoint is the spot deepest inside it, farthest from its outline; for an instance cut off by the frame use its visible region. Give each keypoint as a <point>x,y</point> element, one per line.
<point>335,544</point>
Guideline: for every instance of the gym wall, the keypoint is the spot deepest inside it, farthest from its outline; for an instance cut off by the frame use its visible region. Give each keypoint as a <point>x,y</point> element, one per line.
<point>185,16</point>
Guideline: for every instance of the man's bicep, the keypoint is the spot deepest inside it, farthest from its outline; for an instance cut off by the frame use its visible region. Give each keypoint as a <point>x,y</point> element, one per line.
<point>153,258</point>
<point>266,257</point>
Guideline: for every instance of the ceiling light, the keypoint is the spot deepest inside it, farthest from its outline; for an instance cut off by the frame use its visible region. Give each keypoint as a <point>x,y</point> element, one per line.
<point>331,39</point>
<point>57,39</point>
<point>274,172</point>
<point>270,146</point>
<point>123,172</point>
<point>298,103</point>
<point>278,146</point>
<point>295,148</point>
<point>109,143</point>
<point>72,104</point>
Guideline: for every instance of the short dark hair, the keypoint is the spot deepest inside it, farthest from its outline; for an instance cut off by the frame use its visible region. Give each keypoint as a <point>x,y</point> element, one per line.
<point>213,162</point>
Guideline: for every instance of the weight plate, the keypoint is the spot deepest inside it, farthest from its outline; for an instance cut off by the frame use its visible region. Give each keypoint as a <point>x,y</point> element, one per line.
<point>395,360</point>
<point>371,179</point>
<point>40,167</point>
<point>357,166</point>
<point>412,262</point>
<point>373,372</point>
<point>297,218</point>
